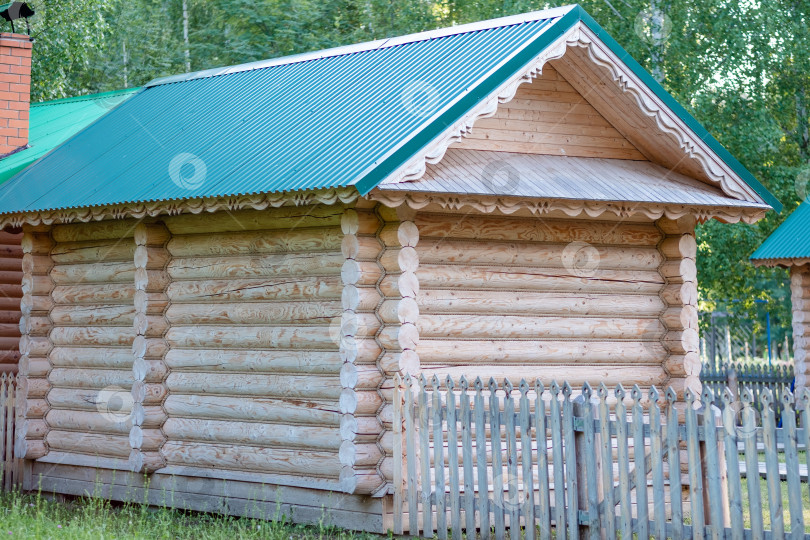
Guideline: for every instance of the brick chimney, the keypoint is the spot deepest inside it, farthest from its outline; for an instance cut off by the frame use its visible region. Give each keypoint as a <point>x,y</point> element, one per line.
<point>15,91</point>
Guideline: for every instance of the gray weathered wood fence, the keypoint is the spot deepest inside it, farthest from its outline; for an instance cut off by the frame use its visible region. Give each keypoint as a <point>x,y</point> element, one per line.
<point>10,468</point>
<point>755,377</point>
<point>494,458</point>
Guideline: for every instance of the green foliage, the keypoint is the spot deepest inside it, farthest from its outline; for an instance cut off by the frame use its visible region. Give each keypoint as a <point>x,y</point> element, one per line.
<point>741,68</point>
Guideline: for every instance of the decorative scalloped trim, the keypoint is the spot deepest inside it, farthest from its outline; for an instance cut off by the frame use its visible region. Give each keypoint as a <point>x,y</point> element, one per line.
<point>787,262</point>
<point>260,201</point>
<point>580,35</point>
<point>572,208</point>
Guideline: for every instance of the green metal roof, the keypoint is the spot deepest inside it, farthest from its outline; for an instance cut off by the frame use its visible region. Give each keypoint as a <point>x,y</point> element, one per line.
<point>342,117</point>
<point>53,122</point>
<point>790,241</point>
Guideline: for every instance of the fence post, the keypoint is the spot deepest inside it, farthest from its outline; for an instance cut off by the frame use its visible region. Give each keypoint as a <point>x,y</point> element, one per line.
<point>587,496</point>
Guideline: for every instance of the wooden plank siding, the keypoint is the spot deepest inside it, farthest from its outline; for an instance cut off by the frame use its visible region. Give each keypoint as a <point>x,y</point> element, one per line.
<point>549,116</point>
<point>10,294</point>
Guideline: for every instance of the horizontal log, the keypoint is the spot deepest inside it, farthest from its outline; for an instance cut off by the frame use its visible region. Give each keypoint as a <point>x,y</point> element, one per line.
<point>93,335</point>
<point>151,258</point>
<point>93,251</point>
<point>360,248</point>
<point>116,402</point>
<point>362,273</point>
<point>93,315</point>
<point>90,378</point>
<point>153,326</point>
<point>89,421</point>
<point>94,230</point>
<point>13,303</point>
<point>34,367</point>
<point>149,371</point>
<point>304,410</point>
<point>539,279</point>
<point>33,387</point>
<point>492,352</point>
<point>108,293</point>
<point>359,351</point>
<point>100,272</point>
<point>681,365</point>
<point>40,265</point>
<point>10,368</point>
<point>145,462</point>
<point>11,317</point>
<point>148,394</point>
<point>679,271</point>
<point>680,246</point>
<point>450,250</point>
<point>30,449</point>
<point>399,285</point>
<point>678,294</point>
<point>262,337</point>
<point>274,361</point>
<point>254,313</point>
<point>11,330</point>
<point>359,402</point>
<point>247,242</point>
<point>147,440</point>
<point>575,374</point>
<point>285,217</point>
<point>276,386</point>
<point>399,337</point>
<point>682,341</point>
<point>253,434</point>
<point>289,289</point>
<point>265,460</point>
<point>34,408</point>
<point>282,264</point>
<point>359,428</point>
<point>34,285</point>
<point>34,242</point>
<point>151,416</point>
<point>11,237</point>
<point>32,429</point>
<point>150,303</point>
<point>399,311</point>
<point>11,277</point>
<point>399,362</point>
<point>359,455</point>
<point>145,347</point>
<point>89,443</point>
<point>505,326</point>
<point>34,346</point>
<point>359,298</point>
<point>360,377</point>
<point>91,357</point>
<point>404,233</point>
<point>151,234</point>
<point>151,281</point>
<point>396,260</point>
<point>534,230</point>
<point>682,225</point>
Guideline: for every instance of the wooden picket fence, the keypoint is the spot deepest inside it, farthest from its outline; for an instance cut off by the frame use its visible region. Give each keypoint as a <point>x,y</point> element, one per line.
<point>540,462</point>
<point>10,468</point>
<point>755,377</point>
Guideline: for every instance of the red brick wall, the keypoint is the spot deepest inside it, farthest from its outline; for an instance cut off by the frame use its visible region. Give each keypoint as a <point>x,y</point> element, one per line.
<point>15,91</point>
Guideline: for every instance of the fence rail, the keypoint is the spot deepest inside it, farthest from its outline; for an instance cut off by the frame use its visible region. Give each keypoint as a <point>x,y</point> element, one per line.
<point>542,462</point>
<point>755,377</point>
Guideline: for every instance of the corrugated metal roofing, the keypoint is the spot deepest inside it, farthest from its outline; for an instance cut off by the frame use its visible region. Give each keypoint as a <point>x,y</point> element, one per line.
<point>791,240</point>
<point>349,116</point>
<point>53,122</point>
<point>476,172</point>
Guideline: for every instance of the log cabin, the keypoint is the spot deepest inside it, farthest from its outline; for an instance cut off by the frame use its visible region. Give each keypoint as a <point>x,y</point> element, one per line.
<point>28,132</point>
<point>789,247</point>
<point>224,274</point>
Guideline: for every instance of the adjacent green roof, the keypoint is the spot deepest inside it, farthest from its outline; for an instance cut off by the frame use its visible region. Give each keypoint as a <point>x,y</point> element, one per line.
<point>343,117</point>
<point>789,242</point>
<point>53,122</point>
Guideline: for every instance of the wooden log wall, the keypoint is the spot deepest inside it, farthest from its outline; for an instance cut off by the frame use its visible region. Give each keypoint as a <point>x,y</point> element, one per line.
<point>680,294</point>
<point>577,300</point>
<point>149,348</point>
<point>549,117</point>
<point>360,376</point>
<point>10,294</point>
<point>258,378</point>
<point>90,343</point>
<point>800,298</point>
<point>35,327</point>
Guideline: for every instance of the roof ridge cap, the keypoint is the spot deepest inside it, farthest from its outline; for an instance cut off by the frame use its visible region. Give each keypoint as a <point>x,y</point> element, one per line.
<point>367,45</point>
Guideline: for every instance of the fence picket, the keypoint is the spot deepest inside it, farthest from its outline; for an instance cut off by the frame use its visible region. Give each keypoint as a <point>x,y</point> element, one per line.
<point>526,460</point>
<point>608,507</point>
<point>657,459</point>
<point>5,382</point>
<point>544,500</point>
<point>481,454</point>
<point>557,461</point>
<point>642,505</point>
<point>512,457</point>
<point>733,465</point>
<point>410,443</point>
<point>622,456</point>
<point>572,485</point>
<point>674,461</point>
<point>438,461</point>
<point>792,466</point>
<point>805,413</point>
<point>397,449</point>
<point>424,436</point>
<point>693,456</point>
<point>497,460</point>
<point>771,465</point>
<point>712,466</point>
<point>749,431</point>
<point>452,460</point>
<point>466,455</point>
<point>587,455</point>
<point>9,470</point>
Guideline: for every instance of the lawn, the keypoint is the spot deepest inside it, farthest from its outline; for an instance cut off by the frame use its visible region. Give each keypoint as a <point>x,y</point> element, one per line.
<point>35,516</point>
<point>766,516</point>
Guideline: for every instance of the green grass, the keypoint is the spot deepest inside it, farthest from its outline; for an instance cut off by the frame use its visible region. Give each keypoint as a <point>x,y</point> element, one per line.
<point>35,516</point>
<point>766,515</point>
